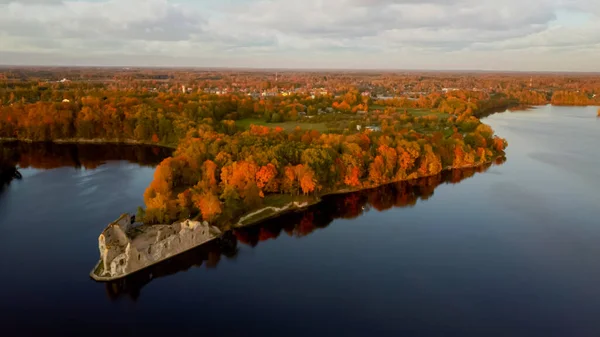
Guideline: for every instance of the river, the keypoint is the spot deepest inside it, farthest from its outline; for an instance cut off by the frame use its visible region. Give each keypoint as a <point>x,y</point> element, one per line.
<point>506,250</point>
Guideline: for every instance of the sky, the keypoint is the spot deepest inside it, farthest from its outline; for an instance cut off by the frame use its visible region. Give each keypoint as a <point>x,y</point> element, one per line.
<point>511,35</point>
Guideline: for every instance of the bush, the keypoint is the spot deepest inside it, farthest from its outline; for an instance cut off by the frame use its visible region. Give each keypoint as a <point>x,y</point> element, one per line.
<point>276,118</point>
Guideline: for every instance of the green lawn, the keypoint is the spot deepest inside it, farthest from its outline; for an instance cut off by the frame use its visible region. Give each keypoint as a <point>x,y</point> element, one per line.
<point>426,112</point>
<point>376,107</point>
<point>288,126</point>
<point>278,201</point>
<point>413,112</point>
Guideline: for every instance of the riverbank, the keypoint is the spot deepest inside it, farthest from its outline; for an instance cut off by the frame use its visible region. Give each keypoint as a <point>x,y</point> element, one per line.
<point>268,212</point>
<point>127,248</point>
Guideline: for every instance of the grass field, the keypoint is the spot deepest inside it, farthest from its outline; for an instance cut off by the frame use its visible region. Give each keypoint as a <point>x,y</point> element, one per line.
<point>413,112</point>
<point>276,201</point>
<point>288,126</point>
<point>426,112</point>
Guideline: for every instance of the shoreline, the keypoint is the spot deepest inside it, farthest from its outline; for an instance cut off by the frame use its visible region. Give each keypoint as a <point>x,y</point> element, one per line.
<point>293,206</point>
<point>275,212</point>
<point>76,141</point>
<point>104,279</point>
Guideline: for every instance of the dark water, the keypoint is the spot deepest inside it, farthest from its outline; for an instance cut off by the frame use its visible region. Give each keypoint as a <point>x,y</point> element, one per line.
<point>512,250</point>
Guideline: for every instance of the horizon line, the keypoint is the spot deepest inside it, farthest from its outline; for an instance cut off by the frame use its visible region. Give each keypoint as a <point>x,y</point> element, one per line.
<point>292,69</point>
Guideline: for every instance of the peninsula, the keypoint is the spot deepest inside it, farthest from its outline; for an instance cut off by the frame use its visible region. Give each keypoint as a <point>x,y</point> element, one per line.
<point>229,179</point>
<point>249,146</point>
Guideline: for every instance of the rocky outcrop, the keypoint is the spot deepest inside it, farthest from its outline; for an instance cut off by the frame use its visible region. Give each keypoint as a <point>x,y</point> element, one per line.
<point>126,247</point>
<point>273,211</point>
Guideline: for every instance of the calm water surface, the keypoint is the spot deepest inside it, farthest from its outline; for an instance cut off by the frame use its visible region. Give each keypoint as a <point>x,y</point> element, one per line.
<point>512,250</point>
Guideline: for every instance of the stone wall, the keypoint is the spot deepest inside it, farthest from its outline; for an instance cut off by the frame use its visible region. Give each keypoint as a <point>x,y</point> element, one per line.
<point>125,248</point>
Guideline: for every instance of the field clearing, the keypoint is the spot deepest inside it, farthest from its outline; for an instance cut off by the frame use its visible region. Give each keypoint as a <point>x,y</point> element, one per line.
<point>288,126</point>
<point>426,112</point>
<point>412,112</point>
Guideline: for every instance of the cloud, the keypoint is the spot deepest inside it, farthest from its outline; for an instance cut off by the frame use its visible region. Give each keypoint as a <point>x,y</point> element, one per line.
<point>47,2</point>
<point>128,19</point>
<point>396,33</point>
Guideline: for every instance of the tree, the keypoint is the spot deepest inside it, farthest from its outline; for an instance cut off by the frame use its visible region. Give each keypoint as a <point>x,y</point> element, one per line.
<point>306,177</point>
<point>377,171</point>
<point>140,214</point>
<point>208,204</point>
<point>210,175</point>
<point>276,118</point>
<point>430,162</point>
<point>265,179</point>
<point>408,152</point>
<point>500,144</point>
<point>185,203</point>
<point>459,156</point>
<point>344,107</point>
<point>352,178</point>
<point>289,181</point>
<point>242,176</point>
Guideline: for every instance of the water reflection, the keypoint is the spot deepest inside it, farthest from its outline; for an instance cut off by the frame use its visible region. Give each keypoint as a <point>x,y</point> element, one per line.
<point>209,255</point>
<point>19,155</point>
<point>88,156</point>
<point>8,166</point>
<point>297,224</point>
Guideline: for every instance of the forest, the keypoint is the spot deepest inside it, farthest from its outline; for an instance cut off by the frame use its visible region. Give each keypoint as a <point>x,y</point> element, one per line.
<point>245,140</point>
<point>220,177</point>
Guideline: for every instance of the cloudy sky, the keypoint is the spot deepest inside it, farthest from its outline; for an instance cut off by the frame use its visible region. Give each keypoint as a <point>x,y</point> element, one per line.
<point>547,35</point>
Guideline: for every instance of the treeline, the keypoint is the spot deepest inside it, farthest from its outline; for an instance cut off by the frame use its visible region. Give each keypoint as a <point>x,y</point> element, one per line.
<point>572,98</point>
<point>221,176</point>
<point>476,103</point>
<point>162,118</point>
<point>92,118</point>
<point>43,112</point>
<point>158,118</point>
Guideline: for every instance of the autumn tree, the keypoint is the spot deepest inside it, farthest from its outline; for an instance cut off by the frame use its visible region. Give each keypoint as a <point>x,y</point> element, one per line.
<point>266,179</point>
<point>306,179</point>
<point>208,204</point>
